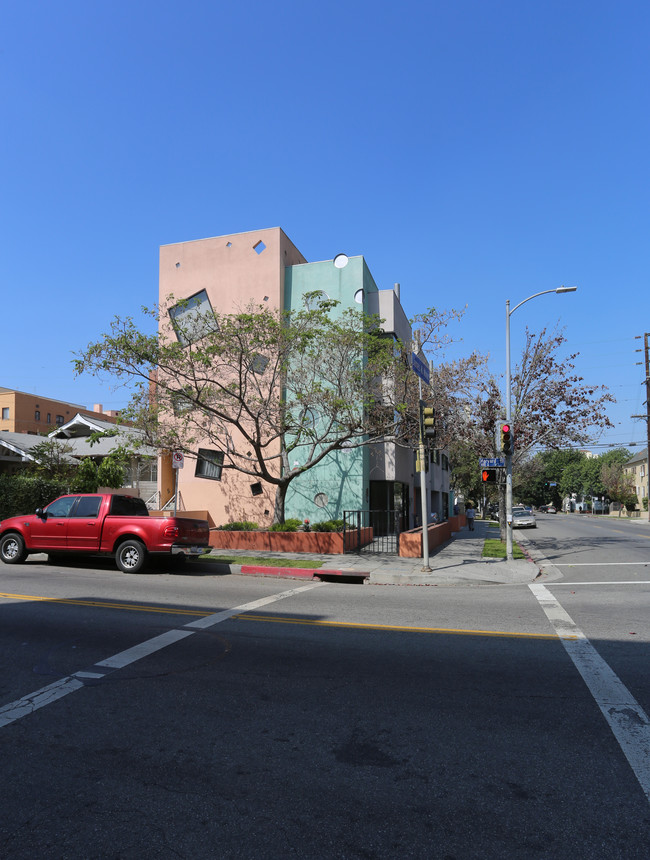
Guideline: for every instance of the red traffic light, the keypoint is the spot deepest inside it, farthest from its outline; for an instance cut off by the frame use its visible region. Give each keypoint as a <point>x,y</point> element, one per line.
<point>505,428</point>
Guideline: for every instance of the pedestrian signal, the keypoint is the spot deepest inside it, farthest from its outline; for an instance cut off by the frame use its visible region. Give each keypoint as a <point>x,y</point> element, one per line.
<point>489,476</point>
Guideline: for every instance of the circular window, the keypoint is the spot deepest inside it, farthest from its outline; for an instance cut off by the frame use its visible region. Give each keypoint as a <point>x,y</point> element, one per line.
<point>359,297</point>
<point>320,500</point>
<point>341,261</point>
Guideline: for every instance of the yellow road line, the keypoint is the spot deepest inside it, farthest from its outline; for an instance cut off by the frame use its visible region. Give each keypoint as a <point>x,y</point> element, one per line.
<point>392,627</point>
<point>101,605</point>
<point>97,604</point>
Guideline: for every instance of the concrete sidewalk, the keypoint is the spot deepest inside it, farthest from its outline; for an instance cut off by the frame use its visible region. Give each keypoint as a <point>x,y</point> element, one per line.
<point>458,562</point>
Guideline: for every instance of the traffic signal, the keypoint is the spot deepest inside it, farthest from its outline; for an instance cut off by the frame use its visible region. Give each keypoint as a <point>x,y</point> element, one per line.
<point>489,476</point>
<point>507,443</point>
<point>427,421</point>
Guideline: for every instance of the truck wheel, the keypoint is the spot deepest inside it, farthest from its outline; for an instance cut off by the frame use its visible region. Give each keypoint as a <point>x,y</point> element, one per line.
<point>131,556</point>
<point>12,549</point>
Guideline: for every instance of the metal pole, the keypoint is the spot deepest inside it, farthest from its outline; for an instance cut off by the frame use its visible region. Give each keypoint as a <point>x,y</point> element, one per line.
<point>647,406</point>
<point>423,496</point>
<point>509,555</point>
<point>561,289</point>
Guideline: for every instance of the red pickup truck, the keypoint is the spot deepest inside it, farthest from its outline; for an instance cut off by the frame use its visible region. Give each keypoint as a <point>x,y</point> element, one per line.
<point>106,524</point>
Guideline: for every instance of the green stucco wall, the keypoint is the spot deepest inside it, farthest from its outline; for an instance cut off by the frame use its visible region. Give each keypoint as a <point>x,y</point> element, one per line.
<point>341,477</point>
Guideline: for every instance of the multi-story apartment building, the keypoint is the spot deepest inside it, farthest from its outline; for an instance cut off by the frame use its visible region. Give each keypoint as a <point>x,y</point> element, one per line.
<point>637,468</point>
<point>32,413</point>
<point>226,273</point>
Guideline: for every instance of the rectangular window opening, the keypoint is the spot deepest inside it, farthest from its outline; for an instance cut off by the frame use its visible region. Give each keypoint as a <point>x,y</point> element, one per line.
<point>209,464</point>
<point>259,247</point>
<point>193,318</point>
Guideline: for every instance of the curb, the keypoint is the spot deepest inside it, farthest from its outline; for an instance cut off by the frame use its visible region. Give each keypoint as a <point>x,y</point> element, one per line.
<point>302,572</point>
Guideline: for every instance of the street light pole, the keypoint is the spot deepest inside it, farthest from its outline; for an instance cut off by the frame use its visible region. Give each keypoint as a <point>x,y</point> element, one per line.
<point>509,313</point>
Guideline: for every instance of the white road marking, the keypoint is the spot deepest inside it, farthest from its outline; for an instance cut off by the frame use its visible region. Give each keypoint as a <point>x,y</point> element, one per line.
<point>625,716</point>
<point>53,692</point>
<point>607,582</point>
<point>599,563</point>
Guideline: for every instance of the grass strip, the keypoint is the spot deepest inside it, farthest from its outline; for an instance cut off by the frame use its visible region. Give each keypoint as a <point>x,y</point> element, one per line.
<point>263,561</point>
<point>495,548</point>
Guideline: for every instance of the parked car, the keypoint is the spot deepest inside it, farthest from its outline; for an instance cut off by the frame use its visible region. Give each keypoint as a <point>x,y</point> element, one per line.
<point>550,509</point>
<point>104,524</point>
<point>543,509</point>
<point>523,520</point>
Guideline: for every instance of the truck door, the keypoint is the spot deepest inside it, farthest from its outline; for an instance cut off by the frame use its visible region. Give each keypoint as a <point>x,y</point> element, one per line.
<point>85,524</point>
<point>49,532</point>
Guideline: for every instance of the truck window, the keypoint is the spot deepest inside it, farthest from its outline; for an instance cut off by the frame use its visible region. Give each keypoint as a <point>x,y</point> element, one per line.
<point>128,506</point>
<point>88,506</point>
<point>61,507</point>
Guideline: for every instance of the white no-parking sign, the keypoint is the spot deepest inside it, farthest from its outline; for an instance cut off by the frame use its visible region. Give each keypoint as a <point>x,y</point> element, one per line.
<point>178,460</point>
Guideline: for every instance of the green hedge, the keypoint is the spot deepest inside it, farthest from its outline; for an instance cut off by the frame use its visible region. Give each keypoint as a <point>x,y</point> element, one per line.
<point>20,494</point>
<point>328,526</point>
<point>243,526</point>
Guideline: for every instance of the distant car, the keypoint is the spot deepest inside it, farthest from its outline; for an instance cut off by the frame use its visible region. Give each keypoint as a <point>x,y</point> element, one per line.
<point>543,509</point>
<point>523,520</point>
<point>550,509</point>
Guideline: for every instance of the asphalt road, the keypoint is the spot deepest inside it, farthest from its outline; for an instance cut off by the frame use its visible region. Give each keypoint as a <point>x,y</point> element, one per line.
<point>172,715</point>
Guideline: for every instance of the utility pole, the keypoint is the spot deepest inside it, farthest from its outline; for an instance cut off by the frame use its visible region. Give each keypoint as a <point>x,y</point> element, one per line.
<point>646,346</point>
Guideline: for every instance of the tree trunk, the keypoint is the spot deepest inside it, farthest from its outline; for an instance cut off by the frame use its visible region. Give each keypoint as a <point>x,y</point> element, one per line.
<point>278,508</point>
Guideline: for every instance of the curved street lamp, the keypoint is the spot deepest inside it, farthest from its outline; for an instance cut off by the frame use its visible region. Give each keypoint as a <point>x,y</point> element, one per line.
<point>509,313</point>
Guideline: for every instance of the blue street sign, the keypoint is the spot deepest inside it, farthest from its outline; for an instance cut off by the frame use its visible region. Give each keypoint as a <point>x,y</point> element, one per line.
<point>491,463</point>
<point>420,368</point>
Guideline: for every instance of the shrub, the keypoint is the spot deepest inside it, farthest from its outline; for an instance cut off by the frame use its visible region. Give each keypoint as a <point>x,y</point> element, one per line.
<point>328,526</point>
<point>244,526</point>
<point>20,494</point>
<point>290,525</point>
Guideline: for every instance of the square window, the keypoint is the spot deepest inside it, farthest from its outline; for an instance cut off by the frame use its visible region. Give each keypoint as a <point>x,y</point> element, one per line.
<point>181,403</point>
<point>209,464</point>
<point>259,363</point>
<point>60,420</point>
<point>256,489</point>
<point>193,318</point>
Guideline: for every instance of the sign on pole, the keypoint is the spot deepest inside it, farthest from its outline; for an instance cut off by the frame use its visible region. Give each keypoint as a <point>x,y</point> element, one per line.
<point>491,462</point>
<point>420,368</point>
<point>178,460</point>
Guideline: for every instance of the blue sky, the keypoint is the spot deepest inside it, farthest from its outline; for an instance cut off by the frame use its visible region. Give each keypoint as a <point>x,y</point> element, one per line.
<point>472,151</point>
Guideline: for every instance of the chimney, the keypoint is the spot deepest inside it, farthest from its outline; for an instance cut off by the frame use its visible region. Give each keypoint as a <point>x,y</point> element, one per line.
<point>397,291</point>
<point>97,407</point>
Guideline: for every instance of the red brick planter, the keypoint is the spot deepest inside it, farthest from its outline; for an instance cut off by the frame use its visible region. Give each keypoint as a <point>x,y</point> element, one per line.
<point>329,543</point>
<point>410,543</point>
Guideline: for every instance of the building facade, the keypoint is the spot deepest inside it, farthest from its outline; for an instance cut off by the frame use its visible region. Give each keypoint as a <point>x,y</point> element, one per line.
<point>637,468</point>
<point>226,273</point>
<point>31,413</point>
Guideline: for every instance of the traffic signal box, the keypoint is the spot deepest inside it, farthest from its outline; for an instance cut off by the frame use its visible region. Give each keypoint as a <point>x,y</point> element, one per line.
<point>489,476</point>
<point>427,421</point>
<point>507,442</point>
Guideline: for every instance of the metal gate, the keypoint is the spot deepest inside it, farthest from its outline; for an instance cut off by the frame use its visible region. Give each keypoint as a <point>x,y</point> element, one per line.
<point>371,531</point>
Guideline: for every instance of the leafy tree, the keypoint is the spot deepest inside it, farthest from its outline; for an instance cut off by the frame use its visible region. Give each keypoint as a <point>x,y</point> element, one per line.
<point>552,407</point>
<point>52,459</point>
<point>111,471</point>
<point>85,479</point>
<point>273,393</point>
<point>619,485</point>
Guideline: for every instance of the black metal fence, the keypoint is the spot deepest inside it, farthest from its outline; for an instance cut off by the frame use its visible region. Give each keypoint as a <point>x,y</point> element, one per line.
<point>371,531</point>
